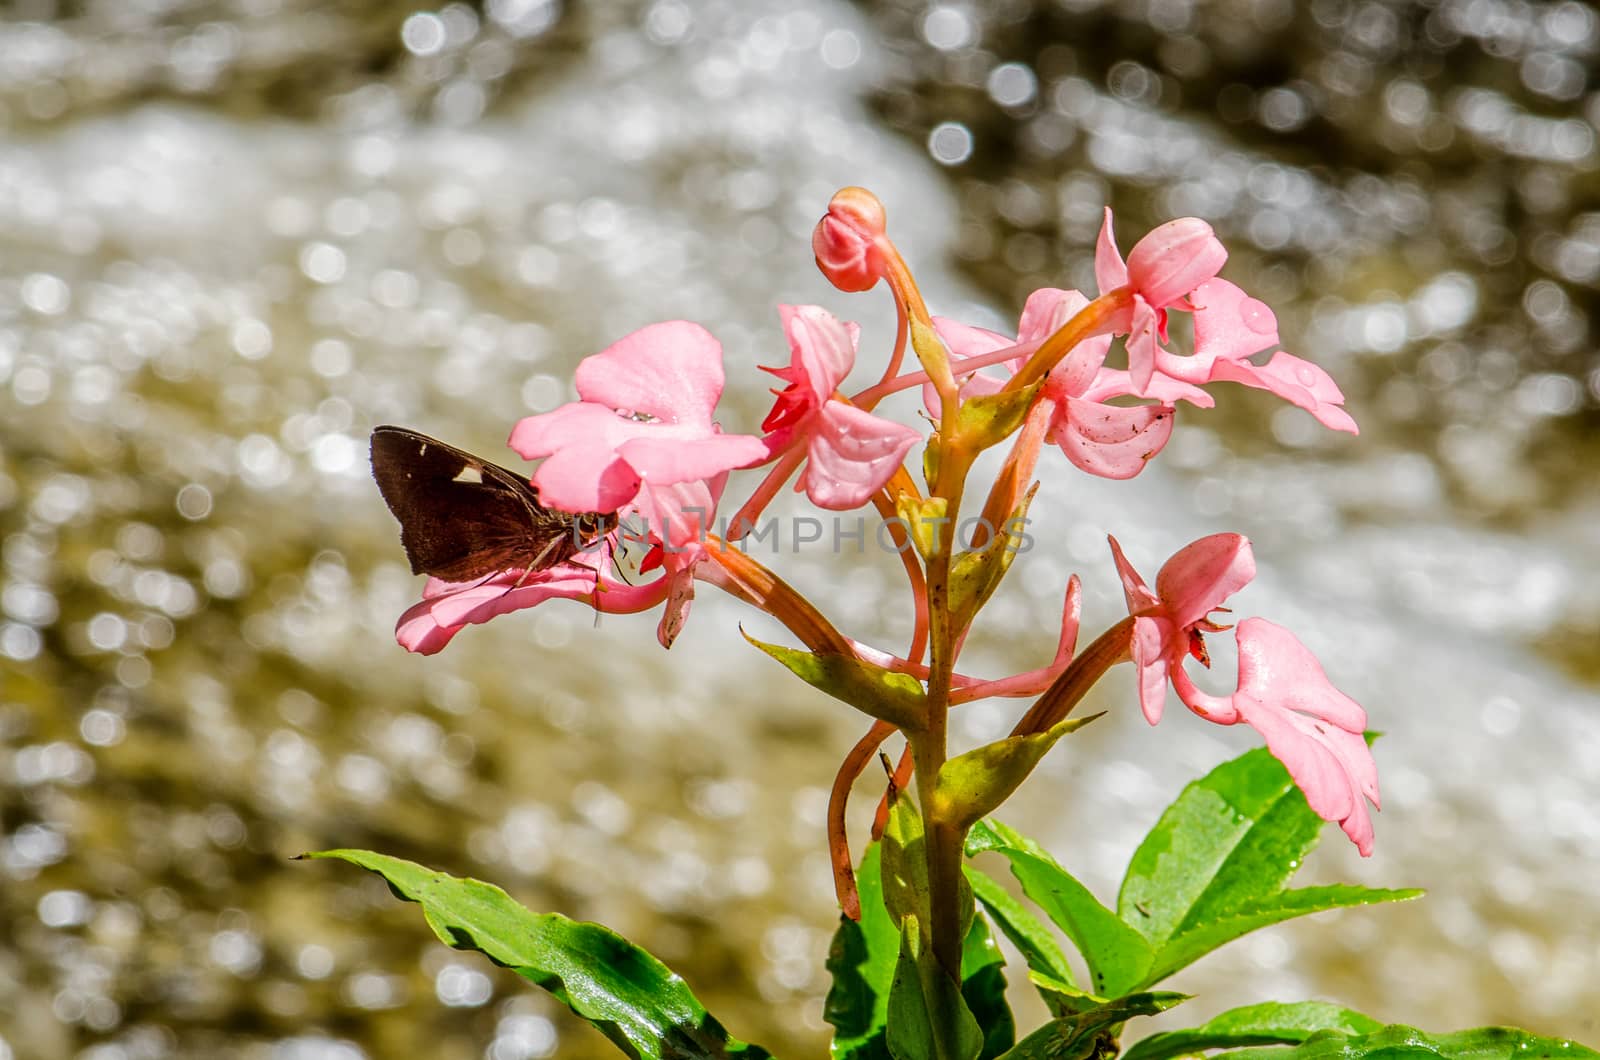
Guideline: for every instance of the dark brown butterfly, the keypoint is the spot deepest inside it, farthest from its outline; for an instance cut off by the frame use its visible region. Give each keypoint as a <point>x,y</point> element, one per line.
<point>463,518</point>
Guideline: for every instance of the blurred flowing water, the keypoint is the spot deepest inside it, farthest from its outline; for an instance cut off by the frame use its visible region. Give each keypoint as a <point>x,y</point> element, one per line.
<point>233,237</point>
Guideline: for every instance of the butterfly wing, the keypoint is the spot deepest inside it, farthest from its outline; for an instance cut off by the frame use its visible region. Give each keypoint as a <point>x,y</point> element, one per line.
<point>462,517</point>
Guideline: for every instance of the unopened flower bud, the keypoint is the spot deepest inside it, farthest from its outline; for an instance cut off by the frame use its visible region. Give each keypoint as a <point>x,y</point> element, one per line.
<point>1174,259</point>
<point>846,240</point>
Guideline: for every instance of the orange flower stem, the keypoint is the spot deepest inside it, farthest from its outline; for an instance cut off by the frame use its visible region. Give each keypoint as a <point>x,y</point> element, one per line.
<point>844,873</point>
<point>1093,319</point>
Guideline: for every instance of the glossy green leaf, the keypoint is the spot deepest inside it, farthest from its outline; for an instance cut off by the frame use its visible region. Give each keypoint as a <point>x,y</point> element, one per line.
<point>879,693</point>
<point>1091,1033</point>
<point>1205,936</point>
<point>973,784</point>
<point>1273,1022</point>
<point>1032,938</point>
<point>1118,957</point>
<point>631,997</point>
<point>983,987</point>
<point>1215,864</point>
<point>1397,1042</point>
<point>862,962</point>
<point>928,1016</point>
<point>1063,998</point>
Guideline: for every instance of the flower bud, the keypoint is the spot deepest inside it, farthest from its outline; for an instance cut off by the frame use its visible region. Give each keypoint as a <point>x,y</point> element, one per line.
<point>1174,259</point>
<point>846,240</point>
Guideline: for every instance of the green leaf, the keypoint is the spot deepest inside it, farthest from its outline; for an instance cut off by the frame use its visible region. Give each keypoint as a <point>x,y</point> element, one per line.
<point>905,864</point>
<point>973,784</point>
<point>895,698</point>
<point>1215,865</point>
<point>983,987</point>
<point>1118,956</point>
<point>862,961</point>
<point>922,1001</point>
<point>1091,1033</point>
<point>989,419</point>
<point>1199,940</point>
<point>1269,1023</point>
<point>628,995</point>
<point>1027,932</point>
<point>1398,1042</point>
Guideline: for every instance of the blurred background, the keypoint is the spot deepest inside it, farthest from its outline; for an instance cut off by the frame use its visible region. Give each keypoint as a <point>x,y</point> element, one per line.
<point>236,234</point>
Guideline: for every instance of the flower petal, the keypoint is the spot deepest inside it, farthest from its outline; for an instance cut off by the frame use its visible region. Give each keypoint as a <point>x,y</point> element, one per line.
<point>1109,271</point>
<point>1111,441</point>
<point>1229,324</point>
<point>1298,382</point>
<point>1134,589</point>
<point>1046,310</point>
<point>1149,651</point>
<point>851,455</point>
<point>582,479</point>
<point>1202,574</point>
<point>671,371</point>
<point>664,461</point>
<point>1173,259</point>
<point>821,346</point>
<point>447,607</point>
<point>1311,727</point>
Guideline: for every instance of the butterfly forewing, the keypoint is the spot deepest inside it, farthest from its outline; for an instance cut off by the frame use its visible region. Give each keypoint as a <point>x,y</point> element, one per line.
<point>462,517</point>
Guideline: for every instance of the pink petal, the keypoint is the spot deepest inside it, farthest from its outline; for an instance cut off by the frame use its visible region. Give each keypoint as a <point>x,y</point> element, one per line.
<point>1297,381</point>
<point>1109,271</point>
<point>680,516</point>
<point>1310,726</point>
<point>579,479</point>
<point>1109,440</point>
<point>822,347</point>
<point>1134,589</point>
<point>964,340</point>
<point>1078,370</point>
<point>1142,345</point>
<point>1202,574</point>
<point>1046,310</point>
<point>1274,666</point>
<point>447,607</point>
<point>1115,382</point>
<point>1174,259</point>
<point>680,594</point>
<point>535,437</point>
<point>671,371</point>
<point>1229,324</point>
<point>851,455</point>
<point>664,461</point>
<point>1150,654</point>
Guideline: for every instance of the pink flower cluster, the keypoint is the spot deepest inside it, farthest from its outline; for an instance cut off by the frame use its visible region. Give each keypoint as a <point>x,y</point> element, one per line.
<point>642,441</point>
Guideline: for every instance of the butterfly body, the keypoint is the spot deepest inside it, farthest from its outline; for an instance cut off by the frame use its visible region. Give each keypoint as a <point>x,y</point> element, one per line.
<point>462,517</point>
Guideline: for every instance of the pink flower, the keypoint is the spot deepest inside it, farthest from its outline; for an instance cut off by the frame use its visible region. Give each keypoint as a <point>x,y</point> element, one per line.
<point>847,241</point>
<point>644,415</point>
<point>447,607</point>
<point>1311,727</point>
<point>850,453</point>
<point>1229,327</point>
<point>1314,729</point>
<point>642,443</point>
<point>1111,441</point>
<point>1162,269</point>
<point>1191,585</point>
